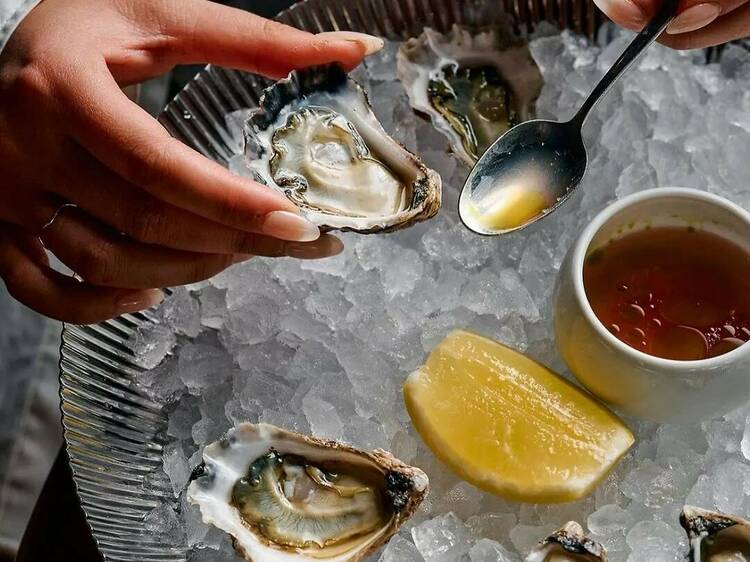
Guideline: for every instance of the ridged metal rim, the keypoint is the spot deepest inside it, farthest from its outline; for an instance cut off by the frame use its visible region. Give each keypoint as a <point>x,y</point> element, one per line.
<point>113,434</point>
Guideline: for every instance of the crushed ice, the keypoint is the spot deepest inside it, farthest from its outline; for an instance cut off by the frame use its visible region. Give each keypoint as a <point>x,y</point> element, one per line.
<point>323,346</point>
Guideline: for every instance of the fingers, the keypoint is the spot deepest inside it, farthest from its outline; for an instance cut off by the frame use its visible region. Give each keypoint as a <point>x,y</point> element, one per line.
<point>127,140</point>
<point>29,208</point>
<point>728,27</point>
<point>693,14</point>
<point>106,259</point>
<point>145,218</point>
<point>199,31</point>
<point>29,279</point>
<point>694,17</point>
<point>630,14</point>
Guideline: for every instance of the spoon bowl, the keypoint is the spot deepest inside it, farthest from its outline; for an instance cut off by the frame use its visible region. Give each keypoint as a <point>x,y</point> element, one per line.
<point>534,167</point>
<point>527,173</point>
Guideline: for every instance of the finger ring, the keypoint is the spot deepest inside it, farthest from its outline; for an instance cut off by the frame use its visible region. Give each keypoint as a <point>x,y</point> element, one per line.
<point>56,214</point>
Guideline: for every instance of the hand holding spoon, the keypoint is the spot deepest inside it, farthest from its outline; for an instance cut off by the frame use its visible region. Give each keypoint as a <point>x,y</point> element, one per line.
<point>534,167</point>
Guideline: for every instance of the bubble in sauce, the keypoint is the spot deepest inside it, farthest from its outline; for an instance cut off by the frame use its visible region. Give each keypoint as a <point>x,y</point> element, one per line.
<point>675,293</point>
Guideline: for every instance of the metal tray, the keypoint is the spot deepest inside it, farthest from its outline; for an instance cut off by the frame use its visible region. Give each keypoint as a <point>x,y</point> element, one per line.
<point>114,435</point>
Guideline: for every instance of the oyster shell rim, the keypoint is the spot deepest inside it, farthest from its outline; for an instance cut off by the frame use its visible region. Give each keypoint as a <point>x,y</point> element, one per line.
<point>426,188</point>
<point>573,539</point>
<point>701,523</point>
<point>405,486</point>
<point>503,39</point>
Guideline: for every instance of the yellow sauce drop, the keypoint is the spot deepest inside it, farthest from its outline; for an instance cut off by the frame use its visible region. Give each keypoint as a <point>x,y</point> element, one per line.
<point>510,207</point>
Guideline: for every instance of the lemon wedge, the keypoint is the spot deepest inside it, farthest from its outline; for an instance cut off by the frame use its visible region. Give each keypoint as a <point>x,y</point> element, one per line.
<point>510,425</point>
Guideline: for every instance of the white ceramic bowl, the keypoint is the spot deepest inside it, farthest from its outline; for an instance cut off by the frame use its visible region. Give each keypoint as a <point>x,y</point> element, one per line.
<point>636,383</point>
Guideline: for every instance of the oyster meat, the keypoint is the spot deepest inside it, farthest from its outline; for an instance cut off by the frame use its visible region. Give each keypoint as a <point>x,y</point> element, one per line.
<point>316,138</point>
<point>716,537</point>
<point>474,87</point>
<point>569,544</point>
<point>286,497</point>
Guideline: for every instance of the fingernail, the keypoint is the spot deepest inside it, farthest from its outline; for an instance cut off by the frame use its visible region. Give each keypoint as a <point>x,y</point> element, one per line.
<point>625,12</point>
<point>140,300</point>
<point>695,17</point>
<point>325,247</point>
<point>239,258</point>
<point>289,226</point>
<point>336,246</point>
<point>371,43</point>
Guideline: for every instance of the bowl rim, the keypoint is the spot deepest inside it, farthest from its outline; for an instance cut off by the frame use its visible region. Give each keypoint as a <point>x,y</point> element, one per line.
<point>581,249</point>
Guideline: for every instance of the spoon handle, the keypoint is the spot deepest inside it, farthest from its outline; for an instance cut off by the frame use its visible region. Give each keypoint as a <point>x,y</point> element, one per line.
<point>648,35</point>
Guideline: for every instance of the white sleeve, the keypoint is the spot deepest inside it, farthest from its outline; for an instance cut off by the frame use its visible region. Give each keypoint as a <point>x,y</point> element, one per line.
<point>11,14</point>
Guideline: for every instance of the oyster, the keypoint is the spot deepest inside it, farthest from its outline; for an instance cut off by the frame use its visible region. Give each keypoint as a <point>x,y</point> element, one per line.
<point>715,537</point>
<point>474,87</point>
<point>316,138</point>
<point>286,497</point>
<point>569,544</point>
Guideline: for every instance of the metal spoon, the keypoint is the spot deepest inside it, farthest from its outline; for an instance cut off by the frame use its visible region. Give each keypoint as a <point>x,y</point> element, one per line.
<point>534,167</point>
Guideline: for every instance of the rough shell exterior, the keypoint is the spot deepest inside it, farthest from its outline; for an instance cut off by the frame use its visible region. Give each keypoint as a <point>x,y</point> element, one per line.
<point>701,523</point>
<point>573,540</point>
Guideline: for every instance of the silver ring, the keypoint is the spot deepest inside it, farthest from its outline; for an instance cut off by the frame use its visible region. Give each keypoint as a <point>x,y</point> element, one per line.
<point>59,210</point>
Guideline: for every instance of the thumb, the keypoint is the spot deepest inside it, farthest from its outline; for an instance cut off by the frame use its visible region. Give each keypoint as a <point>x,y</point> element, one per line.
<point>691,14</point>
<point>206,32</point>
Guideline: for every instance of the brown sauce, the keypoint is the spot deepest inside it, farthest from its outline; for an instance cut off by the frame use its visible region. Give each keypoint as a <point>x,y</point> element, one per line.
<point>676,293</point>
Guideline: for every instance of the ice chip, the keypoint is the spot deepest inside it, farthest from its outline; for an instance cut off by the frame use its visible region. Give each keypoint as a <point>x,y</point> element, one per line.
<point>163,521</point>
<point>656,541</point>
<point>176,467</point>
<point>323,419</point>
<point>400,550</point>
<point>608,525</point>
<point>729,485</point>
<point>182,312</point>
<point>152,344</point>
<point>442,539</point>
<point>487,550</point>
<point>200,365</point>
<point>213,305</point>
<point>382,65</point>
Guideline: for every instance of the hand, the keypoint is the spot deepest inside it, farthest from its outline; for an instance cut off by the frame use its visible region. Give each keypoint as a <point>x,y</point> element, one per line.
<point>141,210</point>
<point>699,23</point>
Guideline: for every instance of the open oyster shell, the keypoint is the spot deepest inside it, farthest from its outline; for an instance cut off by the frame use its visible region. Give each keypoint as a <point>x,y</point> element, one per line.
<point>716,537</point>
<point>316,138</point>
<point>474,87</point>
<point>569,544</point>
<point>286,497</point>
